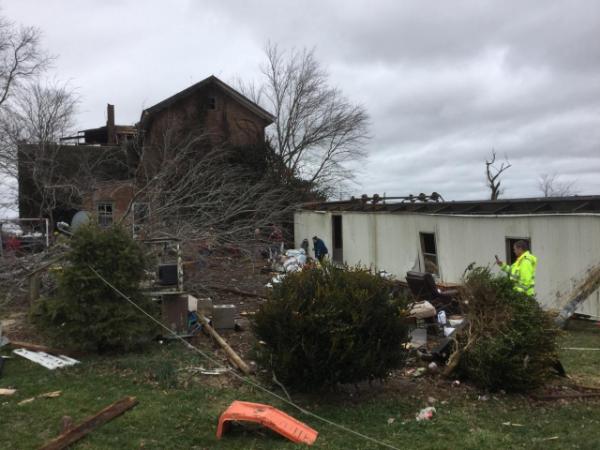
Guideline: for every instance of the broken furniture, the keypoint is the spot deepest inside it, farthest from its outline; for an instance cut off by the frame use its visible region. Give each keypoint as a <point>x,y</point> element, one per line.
<point>270,417</point>
<point>423,287</point>
<point>175,312</point>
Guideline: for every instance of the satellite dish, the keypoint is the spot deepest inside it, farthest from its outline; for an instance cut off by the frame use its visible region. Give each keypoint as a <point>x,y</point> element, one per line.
<point>80,218</point>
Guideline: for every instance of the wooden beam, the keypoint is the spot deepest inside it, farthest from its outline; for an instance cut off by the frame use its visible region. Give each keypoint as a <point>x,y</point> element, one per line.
<point>72,435</point>
<point>232,355</point>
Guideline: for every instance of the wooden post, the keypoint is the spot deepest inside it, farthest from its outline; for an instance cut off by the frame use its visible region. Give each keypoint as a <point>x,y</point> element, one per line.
<point>72,435</point>
<point>233,356</point>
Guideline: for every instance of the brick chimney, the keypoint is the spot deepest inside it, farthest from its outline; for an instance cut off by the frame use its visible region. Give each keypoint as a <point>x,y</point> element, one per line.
<point>111,136</point>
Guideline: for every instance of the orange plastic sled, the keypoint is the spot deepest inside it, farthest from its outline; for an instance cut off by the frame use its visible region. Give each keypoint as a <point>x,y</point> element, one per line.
<point>270,417</point>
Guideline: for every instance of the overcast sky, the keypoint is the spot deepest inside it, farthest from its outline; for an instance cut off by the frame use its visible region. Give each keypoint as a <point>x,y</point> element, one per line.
<point>443,82</point>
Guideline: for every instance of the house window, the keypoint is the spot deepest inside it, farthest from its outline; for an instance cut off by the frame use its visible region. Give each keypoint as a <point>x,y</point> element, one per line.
<point>212,103</point>
<point>510,254</point>
<point>105,214</point>
<point>429,251</point>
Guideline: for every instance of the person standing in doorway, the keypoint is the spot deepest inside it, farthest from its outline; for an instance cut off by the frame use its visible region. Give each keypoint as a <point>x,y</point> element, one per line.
<point>319,248</point>
<point>522,271</point>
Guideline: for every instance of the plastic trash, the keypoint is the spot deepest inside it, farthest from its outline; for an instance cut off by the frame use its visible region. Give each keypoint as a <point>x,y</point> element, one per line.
<point>426,414</point>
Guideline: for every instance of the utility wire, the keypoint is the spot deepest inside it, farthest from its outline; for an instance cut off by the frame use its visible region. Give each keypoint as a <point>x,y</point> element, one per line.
<point>238,376</point>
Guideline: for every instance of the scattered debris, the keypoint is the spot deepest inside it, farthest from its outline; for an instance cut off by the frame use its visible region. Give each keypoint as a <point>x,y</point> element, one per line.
<point>66,423</point>
<point>584,288</point>
<point>73,434</point>
<point>483,398</point>
<point>431,400</point>
<point>7,392</point>
<point>432,367</point>
<point>236,291</point>
<point>391,420</point>
<point>3,340</point>
<point>48,361</point>
<point>415,373</point>
<point>41,348</point>
<point>224,316</point>
<point>551,438</point>
<point>422,310</point>
<point>232,355</point>
<point>581,349</point>
<point>270,417</point>
<point>52,394</point>
<point>418,338</point>
<point>202,370</point>
<point>511,424</point>
<point>426,414</point>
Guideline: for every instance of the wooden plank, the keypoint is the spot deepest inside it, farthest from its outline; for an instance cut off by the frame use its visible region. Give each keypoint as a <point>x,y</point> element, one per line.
<point>231,354</point>
<point>72,435</point>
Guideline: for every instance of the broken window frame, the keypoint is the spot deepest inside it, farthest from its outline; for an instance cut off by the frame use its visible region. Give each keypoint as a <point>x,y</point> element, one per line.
<point>509,241</point>
<point>429,258</point>
<point>105,217</point>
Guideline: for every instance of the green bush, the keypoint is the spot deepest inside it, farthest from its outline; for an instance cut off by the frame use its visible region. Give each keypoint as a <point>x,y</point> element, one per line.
<point>328,325</point>
<point>85,313</point>
<point>510,343</point>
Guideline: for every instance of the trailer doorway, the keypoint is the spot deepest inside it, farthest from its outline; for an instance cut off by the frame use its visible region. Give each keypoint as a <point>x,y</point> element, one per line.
<point>337,241</point>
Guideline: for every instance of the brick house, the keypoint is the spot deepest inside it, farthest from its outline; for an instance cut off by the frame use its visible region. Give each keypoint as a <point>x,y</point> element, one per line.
<point>210,107</point>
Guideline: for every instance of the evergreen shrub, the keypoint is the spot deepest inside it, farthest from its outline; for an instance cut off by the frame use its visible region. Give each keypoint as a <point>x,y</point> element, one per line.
<point>330,325</point>
<point>510,342</point>
<point>84,312</point>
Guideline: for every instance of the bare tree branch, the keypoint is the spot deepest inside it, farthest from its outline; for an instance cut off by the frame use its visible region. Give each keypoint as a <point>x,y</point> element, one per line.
<point>549,186</point>
<point>493,173</point>
<point>317,130</point>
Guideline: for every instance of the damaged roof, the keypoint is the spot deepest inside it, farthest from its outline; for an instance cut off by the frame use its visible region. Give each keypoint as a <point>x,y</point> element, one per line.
<point>409,205</point>
<point>245,101</point>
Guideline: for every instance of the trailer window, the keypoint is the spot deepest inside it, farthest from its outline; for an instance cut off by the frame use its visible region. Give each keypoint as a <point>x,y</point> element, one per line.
<point>429,251</point>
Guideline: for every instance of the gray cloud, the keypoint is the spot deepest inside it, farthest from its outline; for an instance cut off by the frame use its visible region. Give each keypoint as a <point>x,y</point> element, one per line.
<point>444,82</point>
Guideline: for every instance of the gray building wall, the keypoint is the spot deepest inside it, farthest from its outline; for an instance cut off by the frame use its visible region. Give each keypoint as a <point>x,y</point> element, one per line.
<point>566,245</point>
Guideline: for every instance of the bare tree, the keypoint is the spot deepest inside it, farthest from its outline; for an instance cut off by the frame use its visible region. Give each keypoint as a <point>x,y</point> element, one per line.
<point>31,126</point>
<point>493,172</point>
<point>549,186</point>
<point>317,130</point>
<point>21,57</point>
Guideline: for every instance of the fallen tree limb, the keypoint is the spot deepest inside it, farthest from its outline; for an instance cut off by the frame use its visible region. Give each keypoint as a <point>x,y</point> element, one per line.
<point>72,435</point>
<point>231,354</point>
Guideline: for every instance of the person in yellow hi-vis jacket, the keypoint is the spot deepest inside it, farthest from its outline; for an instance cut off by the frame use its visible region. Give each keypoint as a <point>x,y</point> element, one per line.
<point>522,272</point>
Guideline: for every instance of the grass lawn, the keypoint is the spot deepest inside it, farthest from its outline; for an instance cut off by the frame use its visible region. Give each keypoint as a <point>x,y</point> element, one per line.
<point>178,411</point>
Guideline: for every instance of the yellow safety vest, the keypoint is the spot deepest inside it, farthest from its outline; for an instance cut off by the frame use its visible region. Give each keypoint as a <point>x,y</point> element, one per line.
<point>522,273</point>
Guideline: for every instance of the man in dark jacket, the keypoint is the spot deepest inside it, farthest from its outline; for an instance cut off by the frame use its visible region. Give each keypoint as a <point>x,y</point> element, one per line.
<point>319,248</point>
